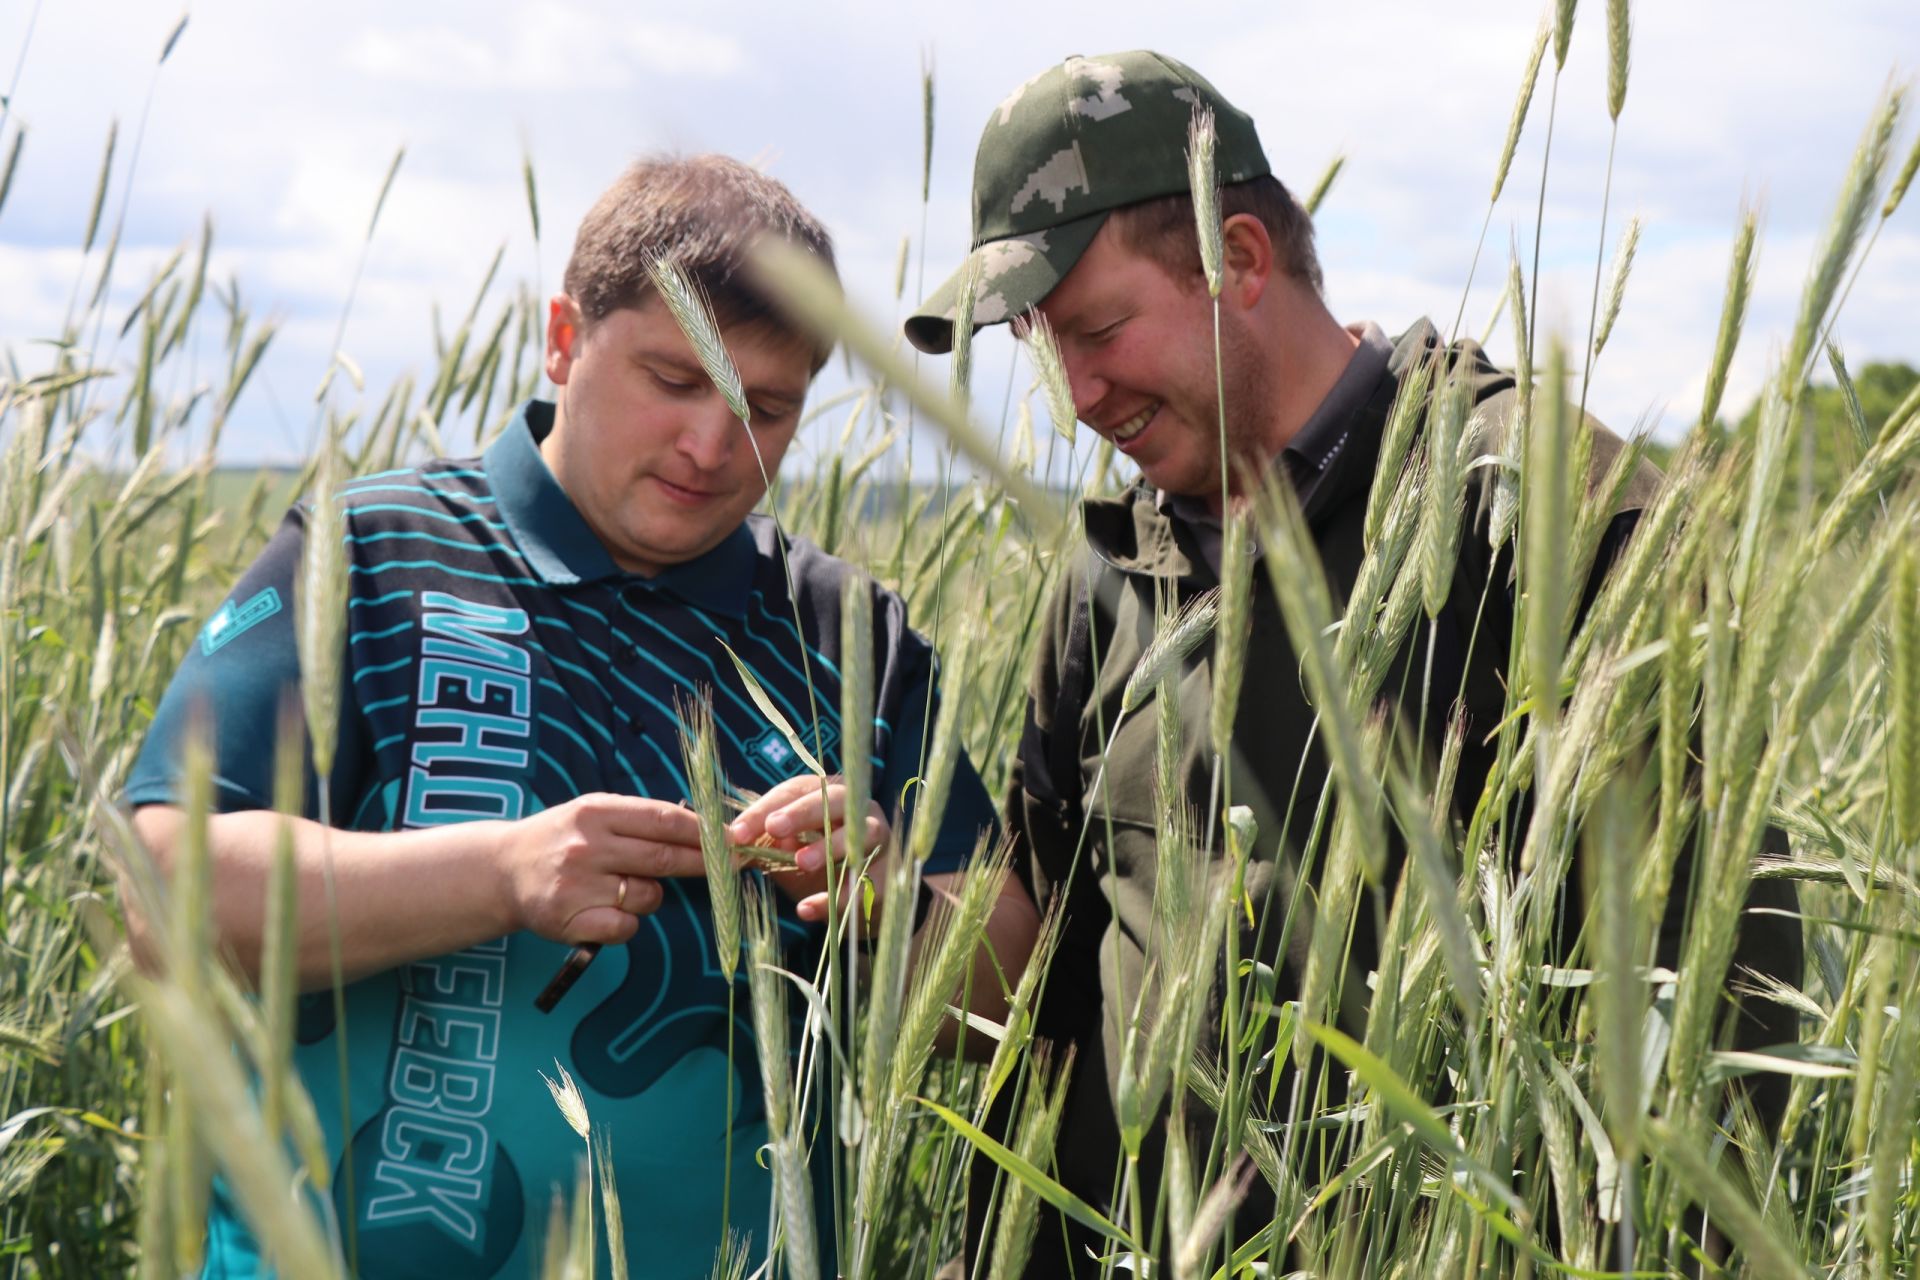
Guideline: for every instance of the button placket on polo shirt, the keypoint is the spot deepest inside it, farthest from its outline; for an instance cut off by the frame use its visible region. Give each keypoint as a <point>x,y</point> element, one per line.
<point>627,654</point>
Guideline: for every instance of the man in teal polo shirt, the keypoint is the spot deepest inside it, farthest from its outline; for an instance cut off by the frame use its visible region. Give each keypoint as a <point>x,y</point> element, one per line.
<point>509,782</point>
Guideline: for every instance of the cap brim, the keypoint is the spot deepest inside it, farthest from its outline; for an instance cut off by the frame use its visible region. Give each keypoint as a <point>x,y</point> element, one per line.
<point>1014,275</point>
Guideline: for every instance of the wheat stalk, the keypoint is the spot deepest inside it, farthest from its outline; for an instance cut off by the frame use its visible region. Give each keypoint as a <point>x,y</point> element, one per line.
<point>1203,183</point>
<point>1323,184</point>
<point>960,379</point>
<point>1843,233</point>
<point>1903,716</point>
<point>1890,1160</point>
<point>566,1096</point>
<point>769,1001</point>
<point>886,989</point>
<point>279,942</point>
<point>1043,350</point>
<point>1327,944</point>
<point>1300,586</point>
<point>1177,1176</point>
<point>1619,56</point>
<point>1679,683</point>
<point>1617,283</point>
<point>1562,32</point>
<point>1038,1126</point>
<point>942,758</point>
<point>1176,636</point>
<point>1620,1007</point>
<point>691,311</point>
<point>1424,823</point>
<point>1519,117</point>
<point>1019,1026</point>
<point>1173,851</point>
<point>926,125</point>
<point>793,1185</point>
<point>1547,504</point>
<point>706,792</point>
<point>952,938</point>
<point>730,1258</point>
<point>610,1205</point>
<point>320,608</point>
<point>1233,631</point>
<point>1733,311</point>
<point>1403,422</point>
<point>1895,194</point>
<point>808,290</point>
<point>1522,429</point>
<point>1438,538</point>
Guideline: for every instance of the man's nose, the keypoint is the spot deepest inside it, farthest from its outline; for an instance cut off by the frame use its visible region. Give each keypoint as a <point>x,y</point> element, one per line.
<point>708,437</point>
<point>1088,386</point>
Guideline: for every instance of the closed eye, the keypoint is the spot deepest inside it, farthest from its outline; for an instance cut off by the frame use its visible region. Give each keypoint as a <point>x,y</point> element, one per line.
<point>673,386</point>
<point>768,413</point>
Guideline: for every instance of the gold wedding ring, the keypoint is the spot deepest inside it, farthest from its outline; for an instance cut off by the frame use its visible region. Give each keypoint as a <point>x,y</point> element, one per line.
<point>620,898</point>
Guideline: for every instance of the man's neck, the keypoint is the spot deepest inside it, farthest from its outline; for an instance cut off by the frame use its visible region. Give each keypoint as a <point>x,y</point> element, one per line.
<point>1312,351</point>
<point>1309,351</point>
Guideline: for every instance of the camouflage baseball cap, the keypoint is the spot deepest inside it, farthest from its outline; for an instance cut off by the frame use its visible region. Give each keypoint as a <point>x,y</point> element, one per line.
<point>1065,149</point>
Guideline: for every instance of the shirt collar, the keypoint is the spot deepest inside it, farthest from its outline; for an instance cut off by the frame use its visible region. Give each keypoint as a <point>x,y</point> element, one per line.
<point>1324,434</point>
<point>564,551</point>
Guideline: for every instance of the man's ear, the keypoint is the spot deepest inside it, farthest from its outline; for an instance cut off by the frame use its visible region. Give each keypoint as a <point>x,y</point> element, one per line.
<point>564,327</point>
<point>1248,264</point>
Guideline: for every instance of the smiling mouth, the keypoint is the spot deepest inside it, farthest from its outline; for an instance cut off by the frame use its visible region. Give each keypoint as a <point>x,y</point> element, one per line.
<point>681,492</point>
<point>1133,426</point>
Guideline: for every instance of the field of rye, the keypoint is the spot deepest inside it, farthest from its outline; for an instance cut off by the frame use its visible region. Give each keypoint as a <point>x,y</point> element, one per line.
<point>1523,1094</point>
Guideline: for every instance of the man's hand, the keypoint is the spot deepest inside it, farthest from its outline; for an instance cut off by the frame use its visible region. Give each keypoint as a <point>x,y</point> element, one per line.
<point>588,869</point>
<point>794,815</point>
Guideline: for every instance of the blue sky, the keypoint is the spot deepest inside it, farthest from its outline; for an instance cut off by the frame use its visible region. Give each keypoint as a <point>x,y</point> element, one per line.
<point>279,120</point>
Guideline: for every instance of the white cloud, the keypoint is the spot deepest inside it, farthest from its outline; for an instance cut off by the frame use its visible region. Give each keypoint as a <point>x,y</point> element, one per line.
<point>548,48</point>
<point>281,120</point>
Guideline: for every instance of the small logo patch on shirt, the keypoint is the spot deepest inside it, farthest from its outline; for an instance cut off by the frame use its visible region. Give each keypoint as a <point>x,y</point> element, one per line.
<point>230,621</point>
<point>776,760</point>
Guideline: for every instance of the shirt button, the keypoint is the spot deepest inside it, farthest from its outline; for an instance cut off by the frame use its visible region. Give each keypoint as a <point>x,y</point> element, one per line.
<point>629,653</point>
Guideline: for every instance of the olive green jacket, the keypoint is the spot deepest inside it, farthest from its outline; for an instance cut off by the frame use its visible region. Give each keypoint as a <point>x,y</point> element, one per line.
<point>1075,736</point>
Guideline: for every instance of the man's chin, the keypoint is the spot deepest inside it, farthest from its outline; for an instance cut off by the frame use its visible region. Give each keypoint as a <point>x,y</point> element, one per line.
<point>650,558</point>
<point>1180,482</point>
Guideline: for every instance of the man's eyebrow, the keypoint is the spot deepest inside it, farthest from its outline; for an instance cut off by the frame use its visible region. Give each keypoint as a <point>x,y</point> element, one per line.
<point>1078,323</point>
<point>670,360</point>
<point>780,396</point>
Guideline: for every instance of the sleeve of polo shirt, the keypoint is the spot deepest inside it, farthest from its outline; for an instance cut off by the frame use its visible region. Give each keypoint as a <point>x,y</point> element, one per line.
<point>241,666</point>
<point>969,811</point>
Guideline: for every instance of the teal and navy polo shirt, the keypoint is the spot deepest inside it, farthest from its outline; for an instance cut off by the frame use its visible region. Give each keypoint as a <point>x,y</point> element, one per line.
<point>498,663</point>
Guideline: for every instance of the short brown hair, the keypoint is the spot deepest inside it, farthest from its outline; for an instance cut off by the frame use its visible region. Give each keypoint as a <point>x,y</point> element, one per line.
<point>1163,229</point>
<point>704,212</point>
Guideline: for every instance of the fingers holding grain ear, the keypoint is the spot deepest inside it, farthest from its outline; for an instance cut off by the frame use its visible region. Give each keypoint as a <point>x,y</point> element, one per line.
<point>796,814</point>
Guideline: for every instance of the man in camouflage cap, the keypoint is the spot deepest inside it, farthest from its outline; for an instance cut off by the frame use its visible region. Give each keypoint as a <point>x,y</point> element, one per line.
<point>1064,150</point>
<point>1083,216</point>
<point>1081,213</point>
